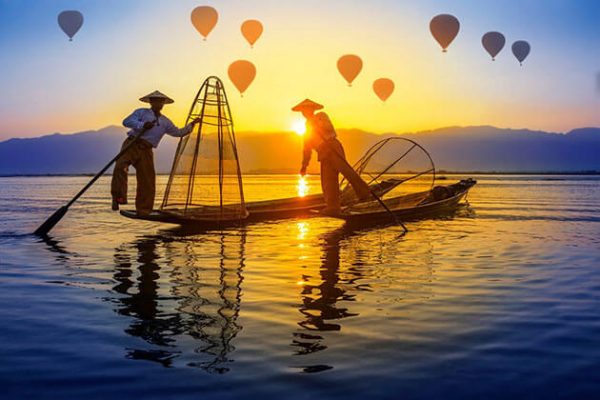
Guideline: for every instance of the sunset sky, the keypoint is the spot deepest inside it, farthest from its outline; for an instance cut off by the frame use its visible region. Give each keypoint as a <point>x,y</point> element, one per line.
<point>126,49</point>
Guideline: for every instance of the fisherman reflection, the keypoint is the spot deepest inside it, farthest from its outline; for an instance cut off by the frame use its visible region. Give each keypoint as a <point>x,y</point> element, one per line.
<point>320,302</point>
<point>186,304</point>
<point>141,302</point>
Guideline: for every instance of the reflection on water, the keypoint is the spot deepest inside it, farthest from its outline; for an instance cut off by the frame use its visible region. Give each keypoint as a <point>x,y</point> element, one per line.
<point>173,292</point>
<point>474,305</point>
<point>319,301</point>
<point>193,298</point>
<point>182,290</point>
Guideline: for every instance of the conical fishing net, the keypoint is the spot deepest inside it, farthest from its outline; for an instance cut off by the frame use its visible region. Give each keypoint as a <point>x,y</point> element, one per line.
<point>205,181</point>
<point>394,167</point>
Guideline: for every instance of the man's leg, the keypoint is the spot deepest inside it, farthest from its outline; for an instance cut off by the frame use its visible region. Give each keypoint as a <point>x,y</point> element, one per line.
<point>118,185</point>
<point>330,185</point>
<point>146,181</point>
<point>340,164</point>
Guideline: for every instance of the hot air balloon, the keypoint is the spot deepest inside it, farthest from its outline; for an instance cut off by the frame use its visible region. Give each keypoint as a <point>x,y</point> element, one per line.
<point>204,19</point>
<point>521,49</point>
<point>70,22</point>
<point>349,66</point>
<point>444,28</point>
<point>252,29</point>
<point>241,73</point>
<point>493,42</point>
<point>383,88</point>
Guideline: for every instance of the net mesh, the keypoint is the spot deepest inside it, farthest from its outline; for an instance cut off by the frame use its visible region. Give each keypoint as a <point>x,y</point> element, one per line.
<point>205,181</point>
<point>398,170</point>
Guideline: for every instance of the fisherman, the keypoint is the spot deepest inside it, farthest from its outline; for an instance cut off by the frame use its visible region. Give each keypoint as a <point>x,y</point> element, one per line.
<point>320,136</point>
<point>140,155</point>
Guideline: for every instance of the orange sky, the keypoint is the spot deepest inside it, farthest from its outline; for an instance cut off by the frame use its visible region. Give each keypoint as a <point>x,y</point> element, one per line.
<point>121,54</point>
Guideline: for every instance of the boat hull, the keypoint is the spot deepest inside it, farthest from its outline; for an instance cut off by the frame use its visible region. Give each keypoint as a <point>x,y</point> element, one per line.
<point>305,207</point>
<point>423,211</point>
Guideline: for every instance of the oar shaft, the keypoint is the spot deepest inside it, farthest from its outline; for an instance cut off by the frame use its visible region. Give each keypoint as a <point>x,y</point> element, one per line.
<point>51,221</point>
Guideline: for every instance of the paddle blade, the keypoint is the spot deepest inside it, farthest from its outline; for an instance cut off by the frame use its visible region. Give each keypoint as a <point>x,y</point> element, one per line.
<point>43,229</point>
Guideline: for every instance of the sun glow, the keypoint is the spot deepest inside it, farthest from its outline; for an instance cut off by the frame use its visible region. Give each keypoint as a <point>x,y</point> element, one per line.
<point>299,127</point>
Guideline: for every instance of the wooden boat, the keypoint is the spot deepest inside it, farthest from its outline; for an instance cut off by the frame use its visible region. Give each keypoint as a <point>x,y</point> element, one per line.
<point>205,187</point>
<point>257,211</point>
<point>416,205</point>
<point>441,200</point>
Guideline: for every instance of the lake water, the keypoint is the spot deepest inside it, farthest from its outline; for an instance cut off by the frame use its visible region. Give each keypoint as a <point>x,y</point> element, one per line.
<point>501,300</point>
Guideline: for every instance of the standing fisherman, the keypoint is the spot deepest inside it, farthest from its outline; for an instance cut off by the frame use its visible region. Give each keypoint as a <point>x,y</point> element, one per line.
<point>320,136</point>
<point>140,155</point>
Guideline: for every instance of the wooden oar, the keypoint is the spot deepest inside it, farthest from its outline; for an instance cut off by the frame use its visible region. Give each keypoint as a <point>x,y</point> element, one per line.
<point>44,228</point>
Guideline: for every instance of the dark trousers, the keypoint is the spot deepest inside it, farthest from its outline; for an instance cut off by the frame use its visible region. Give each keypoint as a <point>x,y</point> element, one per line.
<point>333,163</point>
<point>139,155</point>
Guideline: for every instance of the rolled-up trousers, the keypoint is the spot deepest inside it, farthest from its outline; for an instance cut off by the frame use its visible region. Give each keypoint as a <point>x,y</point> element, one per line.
<point>333,162</point>
<point>141,157</point>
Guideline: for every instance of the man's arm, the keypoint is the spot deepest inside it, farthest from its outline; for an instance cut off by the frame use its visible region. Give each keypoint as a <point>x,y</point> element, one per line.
<point>306,154</point>
<point>172,130</point>
<point>134,121</point>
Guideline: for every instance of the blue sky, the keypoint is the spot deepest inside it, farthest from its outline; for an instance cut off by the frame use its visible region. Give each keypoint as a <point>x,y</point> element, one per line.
<point>127,48</point>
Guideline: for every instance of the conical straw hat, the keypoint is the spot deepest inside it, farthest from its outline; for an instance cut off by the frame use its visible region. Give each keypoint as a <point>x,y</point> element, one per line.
<point>156,95</point>
<point>307,104</point>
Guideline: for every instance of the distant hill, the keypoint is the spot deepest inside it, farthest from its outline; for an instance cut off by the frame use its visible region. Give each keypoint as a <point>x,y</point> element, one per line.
<point>475,148</point>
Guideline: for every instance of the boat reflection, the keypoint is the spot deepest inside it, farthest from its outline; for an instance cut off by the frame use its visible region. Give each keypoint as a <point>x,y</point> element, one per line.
<point>350,261</point>
<point>180,292</point>
<point>172,294</point>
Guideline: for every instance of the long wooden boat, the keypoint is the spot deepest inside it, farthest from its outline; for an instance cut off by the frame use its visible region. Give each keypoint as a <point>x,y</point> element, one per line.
<point>417,205</point>
<point>441,200</point>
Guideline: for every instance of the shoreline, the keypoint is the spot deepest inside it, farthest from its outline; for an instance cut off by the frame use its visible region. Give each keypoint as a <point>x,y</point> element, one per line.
<point>438,173</point>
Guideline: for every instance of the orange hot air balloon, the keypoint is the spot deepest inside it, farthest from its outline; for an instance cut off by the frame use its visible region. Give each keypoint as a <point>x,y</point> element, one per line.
<point>444,28</point>
<point>204,19</point>
<point>252,29</point>
<point>349,66</point>
<point>241,73</point>
<point>383,88</point>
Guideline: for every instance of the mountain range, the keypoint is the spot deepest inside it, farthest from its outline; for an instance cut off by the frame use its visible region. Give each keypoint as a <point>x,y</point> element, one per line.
<point>473,148</point>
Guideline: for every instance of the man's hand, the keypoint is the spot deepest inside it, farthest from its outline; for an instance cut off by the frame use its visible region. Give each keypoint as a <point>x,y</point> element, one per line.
<point>148,125</point>
<point>303,170</point>
<point>196,120</point>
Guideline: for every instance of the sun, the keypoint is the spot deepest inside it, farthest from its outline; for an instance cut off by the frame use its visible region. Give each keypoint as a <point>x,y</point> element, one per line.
<point>299,127</point>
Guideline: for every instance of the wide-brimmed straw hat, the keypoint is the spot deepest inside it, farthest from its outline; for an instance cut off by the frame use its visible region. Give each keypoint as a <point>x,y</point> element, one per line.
<point>307,104</point>
<point>157,95</point>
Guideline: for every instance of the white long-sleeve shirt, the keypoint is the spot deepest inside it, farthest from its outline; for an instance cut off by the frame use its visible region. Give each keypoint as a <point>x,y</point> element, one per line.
<point>163,126</point>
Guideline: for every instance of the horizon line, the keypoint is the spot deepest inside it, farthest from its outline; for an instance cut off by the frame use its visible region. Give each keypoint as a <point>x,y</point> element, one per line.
<point>267,132</point>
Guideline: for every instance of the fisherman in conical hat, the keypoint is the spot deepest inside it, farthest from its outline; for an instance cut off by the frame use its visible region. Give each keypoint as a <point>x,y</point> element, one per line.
<point>320,136</point>
<point>140,155</point>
